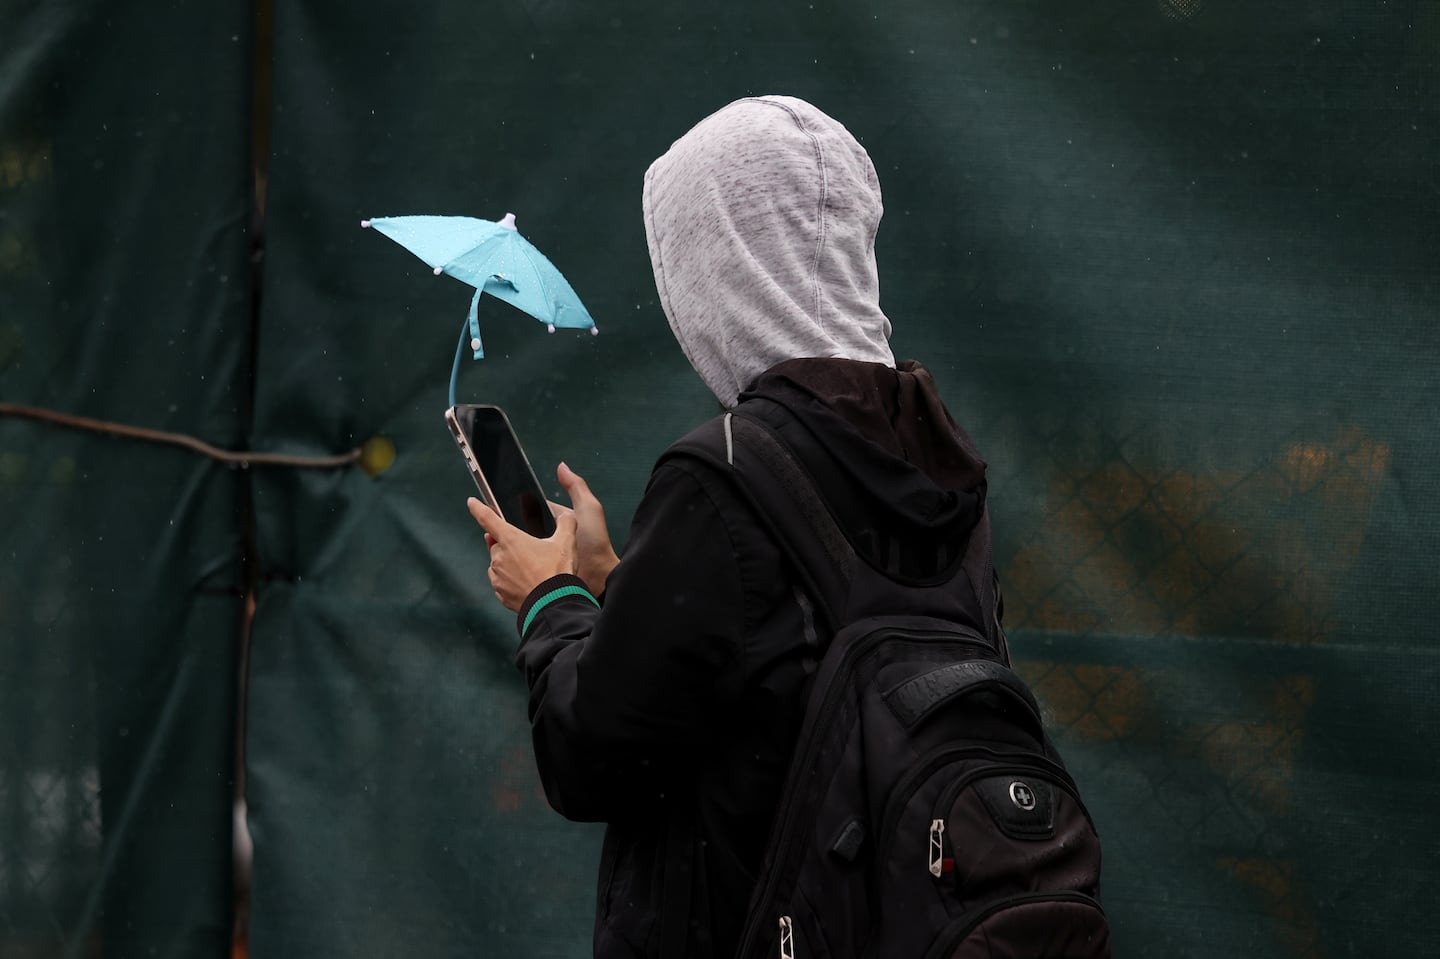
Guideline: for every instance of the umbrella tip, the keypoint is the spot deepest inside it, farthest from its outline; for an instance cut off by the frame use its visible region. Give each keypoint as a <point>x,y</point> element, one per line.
<point>508,221</point>
<point>594,331</point>
<point>550,327</point>
<point>439,270</point>
<point>365,224</point>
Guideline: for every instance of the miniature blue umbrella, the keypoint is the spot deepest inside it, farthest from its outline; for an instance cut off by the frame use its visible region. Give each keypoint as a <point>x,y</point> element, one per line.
<point>495,259</point>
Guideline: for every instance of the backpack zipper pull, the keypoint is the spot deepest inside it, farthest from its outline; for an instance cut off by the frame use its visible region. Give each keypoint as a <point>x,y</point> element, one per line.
<point>937,848</point>
<point>787,938</point>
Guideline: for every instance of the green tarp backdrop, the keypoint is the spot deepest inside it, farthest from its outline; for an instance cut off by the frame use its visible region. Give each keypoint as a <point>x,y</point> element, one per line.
<point>1173,262</point>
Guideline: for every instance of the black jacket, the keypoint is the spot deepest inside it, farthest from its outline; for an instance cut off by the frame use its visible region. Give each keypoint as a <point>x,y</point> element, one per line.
<point>670,710</point>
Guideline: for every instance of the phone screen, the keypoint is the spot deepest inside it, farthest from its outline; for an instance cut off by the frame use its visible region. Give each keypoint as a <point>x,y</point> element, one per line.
<point>505,470</point>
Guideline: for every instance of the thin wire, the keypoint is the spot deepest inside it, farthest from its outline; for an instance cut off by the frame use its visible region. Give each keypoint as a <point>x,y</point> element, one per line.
<point>459,355</point>
<point>240,458</point>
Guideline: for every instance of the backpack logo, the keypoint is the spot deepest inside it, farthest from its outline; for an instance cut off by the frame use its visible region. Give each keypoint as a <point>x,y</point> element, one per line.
<point>1022,796</point>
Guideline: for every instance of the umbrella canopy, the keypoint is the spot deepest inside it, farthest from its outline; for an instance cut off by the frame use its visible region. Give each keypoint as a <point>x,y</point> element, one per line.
<point>494,258</point>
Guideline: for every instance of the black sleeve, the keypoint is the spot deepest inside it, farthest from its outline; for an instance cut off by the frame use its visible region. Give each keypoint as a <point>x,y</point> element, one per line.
<point>622,697</point>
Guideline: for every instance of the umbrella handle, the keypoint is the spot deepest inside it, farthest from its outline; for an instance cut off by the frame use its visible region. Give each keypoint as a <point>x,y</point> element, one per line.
<point>459,354</point>
<point>474,320</point>
<point>471,329</point>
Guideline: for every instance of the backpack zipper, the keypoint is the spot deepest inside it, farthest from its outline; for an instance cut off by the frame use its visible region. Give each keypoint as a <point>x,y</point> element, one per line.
<point>937,847</point>
<point>784,837</point>
<point>787,938</point>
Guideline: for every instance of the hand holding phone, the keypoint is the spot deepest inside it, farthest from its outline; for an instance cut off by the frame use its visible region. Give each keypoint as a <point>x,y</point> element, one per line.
<point>499,467</point>
<point>520,562</point>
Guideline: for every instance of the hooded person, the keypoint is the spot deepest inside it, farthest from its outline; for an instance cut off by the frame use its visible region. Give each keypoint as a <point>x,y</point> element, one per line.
<point>666,689</point>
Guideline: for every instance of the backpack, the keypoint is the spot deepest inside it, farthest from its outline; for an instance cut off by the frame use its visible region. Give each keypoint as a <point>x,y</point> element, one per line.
<point>926,812</point>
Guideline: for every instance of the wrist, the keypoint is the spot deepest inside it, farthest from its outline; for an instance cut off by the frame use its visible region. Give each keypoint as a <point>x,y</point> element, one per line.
<point>599,573</point>
<point>552,590</point>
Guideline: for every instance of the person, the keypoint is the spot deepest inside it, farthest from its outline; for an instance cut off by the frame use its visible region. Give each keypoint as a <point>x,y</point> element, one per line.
<point>667,688</point>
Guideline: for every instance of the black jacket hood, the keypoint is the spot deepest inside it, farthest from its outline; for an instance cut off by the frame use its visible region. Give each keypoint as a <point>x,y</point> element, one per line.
<point>900,477</point>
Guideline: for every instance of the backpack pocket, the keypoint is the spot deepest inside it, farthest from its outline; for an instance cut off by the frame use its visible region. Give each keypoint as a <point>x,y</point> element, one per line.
<point>974,829</point>
<point>1034,926</point>
<point>1011,829</point>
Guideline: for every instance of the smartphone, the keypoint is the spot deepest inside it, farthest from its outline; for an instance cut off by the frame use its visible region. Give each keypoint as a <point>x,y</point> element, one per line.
<point>499,467</point>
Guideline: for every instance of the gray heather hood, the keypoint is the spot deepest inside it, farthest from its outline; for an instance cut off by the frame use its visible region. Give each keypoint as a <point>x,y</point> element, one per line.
<point>761,225</point>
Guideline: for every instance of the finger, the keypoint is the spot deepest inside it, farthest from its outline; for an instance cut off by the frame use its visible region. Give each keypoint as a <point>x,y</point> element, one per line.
<point>565,527</point>
<point>574,484</point>
<point>489,541</point>
<point>557,510</point>
<point>489,520</point>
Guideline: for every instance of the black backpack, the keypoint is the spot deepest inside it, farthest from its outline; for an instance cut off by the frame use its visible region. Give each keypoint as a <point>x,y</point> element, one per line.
<point>926,812</point>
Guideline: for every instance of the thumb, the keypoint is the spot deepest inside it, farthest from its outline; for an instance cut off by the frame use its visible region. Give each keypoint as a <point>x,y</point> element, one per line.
<point>574,484</point>
<point>572,481</point>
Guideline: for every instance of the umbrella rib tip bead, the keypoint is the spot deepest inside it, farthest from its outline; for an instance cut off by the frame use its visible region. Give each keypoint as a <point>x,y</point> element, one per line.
<point>439,270</point>
<point>594,331</point>
<point>475,344</point>
<point>365,224</point>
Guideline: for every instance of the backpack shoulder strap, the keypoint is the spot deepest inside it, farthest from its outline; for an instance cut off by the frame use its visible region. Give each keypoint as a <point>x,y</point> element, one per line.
<point>780,490</point>
<point>771,480</point>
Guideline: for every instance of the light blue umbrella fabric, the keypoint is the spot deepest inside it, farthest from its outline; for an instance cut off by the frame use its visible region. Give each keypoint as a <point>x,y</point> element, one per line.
<point>494,258</point>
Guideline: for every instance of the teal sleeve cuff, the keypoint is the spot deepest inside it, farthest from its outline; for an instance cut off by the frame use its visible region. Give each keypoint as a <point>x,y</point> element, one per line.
<point>553,589</point>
